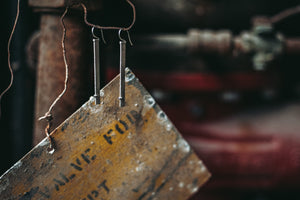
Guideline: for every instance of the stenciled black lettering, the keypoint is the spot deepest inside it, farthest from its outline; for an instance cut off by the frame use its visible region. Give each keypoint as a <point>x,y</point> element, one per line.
<point>72,176</point>
<point>124,124</point>
<point>90,197</point>
<point>61,183</point>
<point>119,129</point>
<point>108,139</point>
<point>76,167</point>
<point>95,193</point>
<point>137,116</point>
<point>103,185</point>
<point>85,158</point>
<point>130,119</point>
<point>56,187</point>
<point>64,177</point>
<point>30,194</point>
<point>109,131</point>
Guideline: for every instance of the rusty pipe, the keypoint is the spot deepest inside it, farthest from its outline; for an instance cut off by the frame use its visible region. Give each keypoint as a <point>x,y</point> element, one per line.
<point>206,41</point>
<point>51,69</point>
<point>292,46</point>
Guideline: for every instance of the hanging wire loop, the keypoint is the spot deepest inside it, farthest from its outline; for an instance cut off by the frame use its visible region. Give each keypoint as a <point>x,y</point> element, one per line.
<point>110,27</point>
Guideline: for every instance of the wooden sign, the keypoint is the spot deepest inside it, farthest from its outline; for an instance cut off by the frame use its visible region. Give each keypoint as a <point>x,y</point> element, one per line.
<point>108,152</point>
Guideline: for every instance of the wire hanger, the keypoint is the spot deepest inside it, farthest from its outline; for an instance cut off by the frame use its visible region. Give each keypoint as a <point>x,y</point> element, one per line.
<point>111,27</point>
<point>96,37</point>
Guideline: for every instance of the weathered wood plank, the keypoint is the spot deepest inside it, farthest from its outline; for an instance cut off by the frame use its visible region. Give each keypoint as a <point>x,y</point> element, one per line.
<point>107,152</point>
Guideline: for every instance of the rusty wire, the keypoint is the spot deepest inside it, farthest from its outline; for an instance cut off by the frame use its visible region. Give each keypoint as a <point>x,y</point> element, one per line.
<point>111,27</point>
<point>284,14</point>
<point>48,115</point>
<point>8,54</point>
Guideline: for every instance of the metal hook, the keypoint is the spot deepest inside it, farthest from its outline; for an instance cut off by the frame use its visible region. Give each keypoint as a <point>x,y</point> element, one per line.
<point>111,27</point>
<point>96,37</point>
<point>129,39</point>
<point>120,35</point>
<point>102,36</point>
<point>128,35</point>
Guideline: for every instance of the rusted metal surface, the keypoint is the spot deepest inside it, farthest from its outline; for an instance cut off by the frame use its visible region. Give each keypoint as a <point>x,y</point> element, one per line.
<point>110,152</point>
<point>91,4</point>
<point>261,46</point>
<point>292,46</point>
<point>262,43</point>
<point>261,40</point>
<point>47,3</point>
<point>51,70</point>
<point>205,41</point>
<point>213,42</point>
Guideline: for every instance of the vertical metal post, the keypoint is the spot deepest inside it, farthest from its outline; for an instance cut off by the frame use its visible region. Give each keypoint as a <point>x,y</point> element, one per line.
<point>51,70</point>
<point>122,72</point>
<point>96,70</point>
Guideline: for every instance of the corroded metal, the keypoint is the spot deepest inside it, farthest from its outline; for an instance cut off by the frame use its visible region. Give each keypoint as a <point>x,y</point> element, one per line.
<point>51,70</point>
<point>110,152</point>
<point>91,4</point>
<point>206,41</point>
<point>292,46</point>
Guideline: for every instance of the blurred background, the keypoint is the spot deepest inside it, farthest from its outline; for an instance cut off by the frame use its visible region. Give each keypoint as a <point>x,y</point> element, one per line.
<point>225,71</point>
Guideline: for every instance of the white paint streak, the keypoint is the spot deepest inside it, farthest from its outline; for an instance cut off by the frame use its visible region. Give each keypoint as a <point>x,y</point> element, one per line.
<point>201,168</point>
<point>192,188</point>
<point>91,105</point>
<point>149,101</point>
<point>169,126</point>
<point>140,167</point>
<point>44,142</point>
<point>101,93</point>
<point>164,120</point>
<point>181,184</point>
<point>129,75</point>
<point>184,146</point>
<point>51,152</point>
<point>195,189</point>
<point>17,165</point>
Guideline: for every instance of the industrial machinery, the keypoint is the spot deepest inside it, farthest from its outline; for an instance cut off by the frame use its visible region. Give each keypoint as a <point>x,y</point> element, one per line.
<point>226,74</point>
